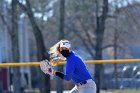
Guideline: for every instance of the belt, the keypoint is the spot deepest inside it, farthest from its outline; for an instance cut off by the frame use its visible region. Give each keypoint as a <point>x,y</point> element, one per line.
<point>84,82</point>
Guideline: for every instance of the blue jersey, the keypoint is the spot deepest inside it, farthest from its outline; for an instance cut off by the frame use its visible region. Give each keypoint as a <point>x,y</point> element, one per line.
<point>76,69</point>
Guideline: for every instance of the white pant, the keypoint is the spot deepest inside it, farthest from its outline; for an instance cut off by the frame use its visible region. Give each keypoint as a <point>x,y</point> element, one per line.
<point>89,87</point>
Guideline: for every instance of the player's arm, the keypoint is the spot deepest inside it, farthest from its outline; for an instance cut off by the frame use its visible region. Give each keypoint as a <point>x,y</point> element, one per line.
<point>47,69</point>
<point>59,74</point>
<point>69,71</point>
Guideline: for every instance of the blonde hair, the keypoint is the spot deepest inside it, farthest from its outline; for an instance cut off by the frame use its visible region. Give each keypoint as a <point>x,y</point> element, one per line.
<point>54,50</point>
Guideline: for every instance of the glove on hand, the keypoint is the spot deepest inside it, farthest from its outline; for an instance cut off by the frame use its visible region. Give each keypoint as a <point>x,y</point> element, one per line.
<point>46,68</point>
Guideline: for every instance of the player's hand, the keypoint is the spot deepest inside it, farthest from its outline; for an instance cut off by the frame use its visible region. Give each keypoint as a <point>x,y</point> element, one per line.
<point>55,61</point>
<point>46,68</point>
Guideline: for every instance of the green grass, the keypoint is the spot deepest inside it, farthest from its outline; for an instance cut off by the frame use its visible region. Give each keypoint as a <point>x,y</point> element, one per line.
<point>103,91</point>
<point>121,91</point>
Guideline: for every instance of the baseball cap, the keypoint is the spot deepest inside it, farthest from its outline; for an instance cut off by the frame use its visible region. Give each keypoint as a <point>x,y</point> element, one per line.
<point>65,44</point>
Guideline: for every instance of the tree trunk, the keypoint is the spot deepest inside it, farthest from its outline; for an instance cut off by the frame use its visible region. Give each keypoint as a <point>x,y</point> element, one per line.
<point>115,55</point>
<point>41,50</point>
<point>100,22</point>
<point>61,36</point>
<point>15,48</point>
<point>98,56</point>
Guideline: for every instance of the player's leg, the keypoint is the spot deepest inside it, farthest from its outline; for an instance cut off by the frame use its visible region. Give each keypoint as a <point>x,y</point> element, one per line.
<point>74,90</point>
<point>87,88</point>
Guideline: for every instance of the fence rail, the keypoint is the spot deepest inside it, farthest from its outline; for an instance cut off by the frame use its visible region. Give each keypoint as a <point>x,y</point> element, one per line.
<point>15,64</point>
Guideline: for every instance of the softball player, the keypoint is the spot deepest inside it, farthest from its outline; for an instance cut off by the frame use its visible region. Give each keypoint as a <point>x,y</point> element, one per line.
<point>76,70</point>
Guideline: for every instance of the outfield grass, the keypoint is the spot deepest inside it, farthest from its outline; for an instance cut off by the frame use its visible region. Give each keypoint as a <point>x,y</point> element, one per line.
<point>103,91</point>
<point>121,91</point>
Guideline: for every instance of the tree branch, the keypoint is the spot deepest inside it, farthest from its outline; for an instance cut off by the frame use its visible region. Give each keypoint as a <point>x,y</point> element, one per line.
<point>5,23</point>
<point>85,29</point>
<point>111,45</point>
<point>22,6</point>
<point>81,38</point>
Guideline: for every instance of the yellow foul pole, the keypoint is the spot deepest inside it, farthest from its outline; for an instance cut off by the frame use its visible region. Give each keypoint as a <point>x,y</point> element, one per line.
<point>63,63</point>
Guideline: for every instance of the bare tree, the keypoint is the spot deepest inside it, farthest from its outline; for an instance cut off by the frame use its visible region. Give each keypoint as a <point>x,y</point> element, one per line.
<point>100,22</point>
<point>41,50</point>
<point>15,47</point>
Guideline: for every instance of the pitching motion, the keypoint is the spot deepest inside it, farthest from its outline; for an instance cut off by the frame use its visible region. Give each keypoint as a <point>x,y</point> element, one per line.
<point>75,71</point>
